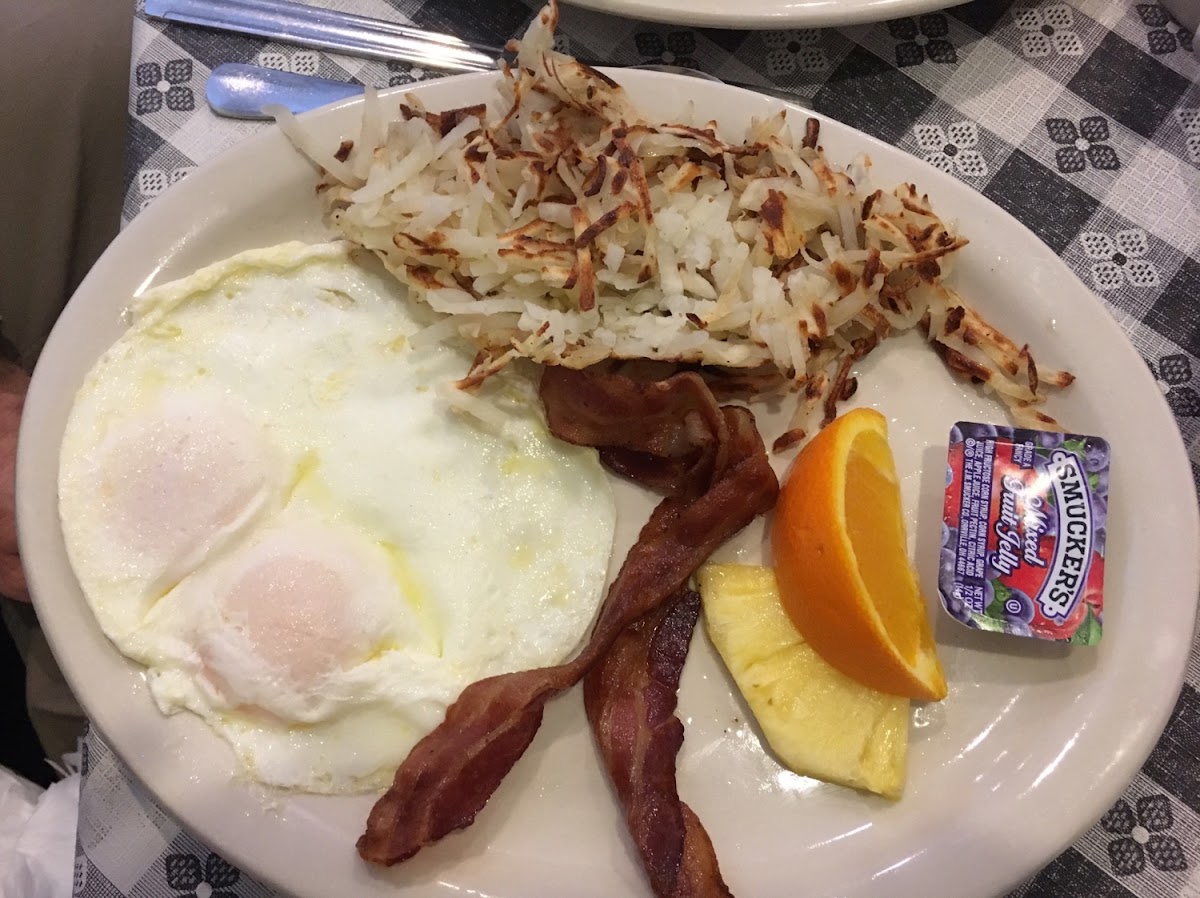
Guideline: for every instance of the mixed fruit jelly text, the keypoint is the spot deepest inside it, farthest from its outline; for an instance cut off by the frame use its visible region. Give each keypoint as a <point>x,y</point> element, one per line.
<point>1023,530</point>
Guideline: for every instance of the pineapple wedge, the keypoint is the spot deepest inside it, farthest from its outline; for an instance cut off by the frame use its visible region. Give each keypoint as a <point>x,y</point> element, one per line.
<point>818,721</point>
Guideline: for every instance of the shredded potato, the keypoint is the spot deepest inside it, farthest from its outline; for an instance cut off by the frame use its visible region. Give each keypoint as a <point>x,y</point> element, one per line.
<point>566,228</point>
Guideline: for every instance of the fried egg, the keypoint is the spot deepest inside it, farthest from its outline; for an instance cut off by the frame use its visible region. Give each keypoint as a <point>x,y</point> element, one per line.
<point>272,499</point>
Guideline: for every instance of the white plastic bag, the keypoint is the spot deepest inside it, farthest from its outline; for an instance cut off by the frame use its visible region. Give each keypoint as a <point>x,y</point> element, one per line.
<point>37,837</point>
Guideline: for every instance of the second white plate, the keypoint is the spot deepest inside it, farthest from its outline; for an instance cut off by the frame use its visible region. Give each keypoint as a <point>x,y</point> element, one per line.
<point>765,13</point>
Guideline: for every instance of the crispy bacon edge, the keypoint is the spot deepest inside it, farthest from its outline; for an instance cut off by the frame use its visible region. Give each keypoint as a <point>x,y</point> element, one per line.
<point>630,697</point>
<point>450,774</point>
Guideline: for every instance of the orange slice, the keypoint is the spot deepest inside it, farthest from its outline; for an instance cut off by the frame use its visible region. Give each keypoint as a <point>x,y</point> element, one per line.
<point>842,564</point>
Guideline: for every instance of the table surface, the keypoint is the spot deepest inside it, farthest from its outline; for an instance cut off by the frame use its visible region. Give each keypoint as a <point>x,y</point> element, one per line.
<point>1080,119</point>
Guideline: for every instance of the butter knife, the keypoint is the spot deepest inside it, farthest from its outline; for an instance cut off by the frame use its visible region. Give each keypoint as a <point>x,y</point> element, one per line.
<point>327,29</point>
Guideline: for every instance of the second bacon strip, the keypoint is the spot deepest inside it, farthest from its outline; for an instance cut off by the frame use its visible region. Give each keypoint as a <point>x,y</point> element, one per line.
<point>670,435</point>
<point>630,698</point>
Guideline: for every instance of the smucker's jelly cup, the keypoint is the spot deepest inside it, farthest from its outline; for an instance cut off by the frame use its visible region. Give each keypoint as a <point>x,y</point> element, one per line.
<point>1023,529</point>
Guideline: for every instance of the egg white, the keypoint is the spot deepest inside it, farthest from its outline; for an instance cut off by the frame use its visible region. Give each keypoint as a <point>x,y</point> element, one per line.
<point>269,502</point>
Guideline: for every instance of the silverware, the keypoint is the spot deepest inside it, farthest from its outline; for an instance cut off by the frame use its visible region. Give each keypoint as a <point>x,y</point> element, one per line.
<point>240,91</point>
<point>327,29</point>
<point>237,90</point>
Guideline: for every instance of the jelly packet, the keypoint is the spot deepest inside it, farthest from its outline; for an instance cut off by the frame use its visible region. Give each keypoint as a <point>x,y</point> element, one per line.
<point>1023,528</point>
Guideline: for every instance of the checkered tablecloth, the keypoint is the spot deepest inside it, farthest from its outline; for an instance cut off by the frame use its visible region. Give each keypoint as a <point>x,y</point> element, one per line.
<point>1082,119</point>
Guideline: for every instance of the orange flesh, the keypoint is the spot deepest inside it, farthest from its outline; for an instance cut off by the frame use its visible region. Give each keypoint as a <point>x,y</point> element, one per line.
<point>841,561</point>
<point>874,521</point>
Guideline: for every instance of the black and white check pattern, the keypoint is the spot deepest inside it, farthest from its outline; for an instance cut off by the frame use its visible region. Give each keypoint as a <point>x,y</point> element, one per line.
<point>1082,119</point>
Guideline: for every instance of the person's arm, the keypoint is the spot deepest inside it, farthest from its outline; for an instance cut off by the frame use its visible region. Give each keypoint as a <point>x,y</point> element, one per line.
<point>13,384</point>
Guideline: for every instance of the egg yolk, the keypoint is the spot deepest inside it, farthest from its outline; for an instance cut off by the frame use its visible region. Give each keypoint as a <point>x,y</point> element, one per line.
<point>175,482</point>
<point>291,610</point>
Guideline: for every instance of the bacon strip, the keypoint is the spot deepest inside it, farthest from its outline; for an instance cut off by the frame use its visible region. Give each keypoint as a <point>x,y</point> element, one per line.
<point>630,698</point>
<point>450,774</point>
<point>670,437</point>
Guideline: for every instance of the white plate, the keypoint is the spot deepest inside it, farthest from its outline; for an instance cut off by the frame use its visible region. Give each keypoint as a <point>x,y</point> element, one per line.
<point>765,13</point>
<point>1032,745</point>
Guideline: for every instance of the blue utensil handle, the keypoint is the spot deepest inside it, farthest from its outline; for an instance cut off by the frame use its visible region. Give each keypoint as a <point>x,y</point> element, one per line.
<point>236,90</point>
